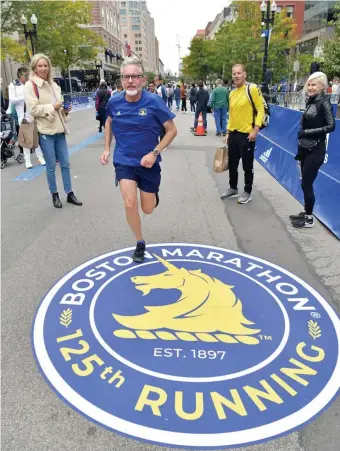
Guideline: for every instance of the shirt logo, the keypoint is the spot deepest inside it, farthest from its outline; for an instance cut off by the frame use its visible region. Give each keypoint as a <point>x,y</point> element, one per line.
<point>197,347</point>
<point>143,112</point>
<point>119,113</point>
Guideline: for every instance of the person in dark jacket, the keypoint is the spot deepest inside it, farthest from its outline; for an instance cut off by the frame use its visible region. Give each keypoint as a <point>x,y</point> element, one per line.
<point>202,96</point>
<point>193,97</point>
<point>102,98</point>
<point>316,122</point>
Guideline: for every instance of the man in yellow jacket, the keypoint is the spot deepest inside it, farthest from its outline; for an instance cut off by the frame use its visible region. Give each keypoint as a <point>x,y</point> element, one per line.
<point>243,126</point>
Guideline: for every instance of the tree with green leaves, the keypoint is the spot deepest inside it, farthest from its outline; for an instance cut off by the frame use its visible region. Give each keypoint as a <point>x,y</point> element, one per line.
<point>331,54</point>
<point>240,41</point>
<point>62,31</point>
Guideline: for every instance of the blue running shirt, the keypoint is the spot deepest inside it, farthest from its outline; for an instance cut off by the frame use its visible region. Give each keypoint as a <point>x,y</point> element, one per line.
<point>136,126</point>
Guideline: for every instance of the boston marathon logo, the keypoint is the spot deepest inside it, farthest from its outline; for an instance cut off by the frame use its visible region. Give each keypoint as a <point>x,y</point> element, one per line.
<point>197,347</point>
<point>205,308</point>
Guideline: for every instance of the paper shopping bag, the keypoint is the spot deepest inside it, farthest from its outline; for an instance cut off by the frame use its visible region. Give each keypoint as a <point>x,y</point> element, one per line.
<point>221,161</point>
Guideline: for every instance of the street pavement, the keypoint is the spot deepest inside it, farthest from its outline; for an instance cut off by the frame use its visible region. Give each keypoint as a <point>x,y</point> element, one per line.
<point>40,244</point>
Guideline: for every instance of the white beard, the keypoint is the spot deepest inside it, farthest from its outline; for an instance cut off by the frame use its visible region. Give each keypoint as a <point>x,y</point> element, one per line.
<point>132,92</point>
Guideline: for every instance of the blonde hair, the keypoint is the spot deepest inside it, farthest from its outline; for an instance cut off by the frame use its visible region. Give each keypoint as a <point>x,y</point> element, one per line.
<point>34,61</point>
<point>320,76</point>
<point>239,65</point>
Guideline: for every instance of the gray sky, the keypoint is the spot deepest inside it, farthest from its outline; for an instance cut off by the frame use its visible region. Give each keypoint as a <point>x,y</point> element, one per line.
<point>182,17</point>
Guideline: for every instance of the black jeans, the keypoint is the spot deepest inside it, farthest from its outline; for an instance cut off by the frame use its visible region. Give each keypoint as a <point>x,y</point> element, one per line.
<point>102,118</point>
<point>311,161</point>
<point>192,106</point>
<point>240,147</point>
<point>184,104</point>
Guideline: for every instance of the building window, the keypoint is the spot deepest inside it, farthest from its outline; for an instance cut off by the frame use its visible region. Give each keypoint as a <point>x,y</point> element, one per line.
<point>135,27</point>
<point>124,19</point>
<point>122,12</point>
<point>290,11</point>
<point>278,9</point>
<point>135,19</point>
<point>125,35</point>
<point>123,4</point>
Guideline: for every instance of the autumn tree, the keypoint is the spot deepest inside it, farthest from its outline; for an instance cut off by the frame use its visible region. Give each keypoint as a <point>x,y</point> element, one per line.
<point>62,31</point>
<point>331,55</point>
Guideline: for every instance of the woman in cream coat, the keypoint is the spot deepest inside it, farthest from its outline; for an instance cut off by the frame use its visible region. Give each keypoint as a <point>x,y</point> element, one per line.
<point>47,110</point>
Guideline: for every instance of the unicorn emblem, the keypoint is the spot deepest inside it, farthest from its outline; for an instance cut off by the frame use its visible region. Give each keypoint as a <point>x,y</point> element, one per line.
<point>207,310</point>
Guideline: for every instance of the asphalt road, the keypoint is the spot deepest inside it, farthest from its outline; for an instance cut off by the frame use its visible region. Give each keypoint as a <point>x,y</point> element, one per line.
<point>40,244</point>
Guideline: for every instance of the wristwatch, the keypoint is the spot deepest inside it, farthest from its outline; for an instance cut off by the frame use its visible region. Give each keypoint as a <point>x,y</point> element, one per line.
<point>156,152</point>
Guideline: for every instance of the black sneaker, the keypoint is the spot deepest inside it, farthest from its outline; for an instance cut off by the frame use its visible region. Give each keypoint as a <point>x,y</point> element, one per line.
<point>218,134</point>
<point>138,255</point>
<point>303,223</point>
<point>298,216</point>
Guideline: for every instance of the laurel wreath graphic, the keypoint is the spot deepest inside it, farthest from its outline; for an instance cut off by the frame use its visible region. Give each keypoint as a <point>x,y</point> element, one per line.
<point>66,317</point>
<point>314,329</point>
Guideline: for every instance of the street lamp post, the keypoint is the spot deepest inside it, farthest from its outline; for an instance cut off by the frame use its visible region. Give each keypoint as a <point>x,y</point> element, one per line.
<point>98,67</point>
<point>30,33</point>
<point>267,21</point>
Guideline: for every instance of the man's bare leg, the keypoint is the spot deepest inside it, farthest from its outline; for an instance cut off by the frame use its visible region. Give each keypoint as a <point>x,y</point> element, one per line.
<point>148,202</point>
<point>128,189</point>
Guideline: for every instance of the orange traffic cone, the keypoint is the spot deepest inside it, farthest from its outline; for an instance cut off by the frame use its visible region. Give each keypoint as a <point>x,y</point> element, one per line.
<point>200,129</point>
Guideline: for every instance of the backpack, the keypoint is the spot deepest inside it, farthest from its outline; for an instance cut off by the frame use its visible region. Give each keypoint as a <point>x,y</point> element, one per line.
<point>169,92</point>
<point>266,117</point>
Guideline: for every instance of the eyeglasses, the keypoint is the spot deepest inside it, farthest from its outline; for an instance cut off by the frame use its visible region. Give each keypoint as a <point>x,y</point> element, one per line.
<point>133,77</point>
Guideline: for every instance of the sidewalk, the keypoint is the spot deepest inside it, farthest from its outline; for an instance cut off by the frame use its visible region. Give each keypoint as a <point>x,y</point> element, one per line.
<point>41,244</point>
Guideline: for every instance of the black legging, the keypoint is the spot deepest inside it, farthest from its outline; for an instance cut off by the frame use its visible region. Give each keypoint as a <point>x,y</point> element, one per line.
<point>184,104</point>
<point>311,161</point>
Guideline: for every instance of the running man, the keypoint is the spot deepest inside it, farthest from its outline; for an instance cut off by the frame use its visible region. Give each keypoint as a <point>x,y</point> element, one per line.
<point>135,117</point>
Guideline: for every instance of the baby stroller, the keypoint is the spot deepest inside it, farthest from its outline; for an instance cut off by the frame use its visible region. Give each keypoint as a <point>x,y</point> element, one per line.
<point>8,139</point>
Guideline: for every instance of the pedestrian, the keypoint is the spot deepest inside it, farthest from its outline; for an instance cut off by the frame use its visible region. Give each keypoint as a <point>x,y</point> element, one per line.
<point>43,100</point>
<point>18,108</point>
<point>170,95</point>
<point>335,91</point>
<point>183,98</point>
<point>202,106</point>
<point>152,87</point>
<point>219,103</point>
<point>118,89</point>
<point>102,98</point>
<point>160,88</point>
<point>316,122</point>
<point>177,94</point>
<point>193,97</point>
<point>135,118</point>
<point>243,127</point>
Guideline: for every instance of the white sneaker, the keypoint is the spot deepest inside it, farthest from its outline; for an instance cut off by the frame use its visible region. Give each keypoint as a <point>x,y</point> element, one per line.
<point>42,161</point>
<point>28,163</point>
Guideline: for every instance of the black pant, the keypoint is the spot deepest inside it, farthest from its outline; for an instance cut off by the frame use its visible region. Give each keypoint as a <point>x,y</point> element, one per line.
<point>184,104</point>
<point>240,147</point>
<point>192,105</point>
<point>102,118</point>
<point>311,162</point>
<point>17,127</point>
<point>170,100</point>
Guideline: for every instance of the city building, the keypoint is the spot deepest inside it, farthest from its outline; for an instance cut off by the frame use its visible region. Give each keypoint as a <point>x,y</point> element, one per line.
<point>315,28</point>
<point>226,15</point>
<point>138,31</point>
<point>161,67</point>
<point>200,34</point>
<point>105,22</point>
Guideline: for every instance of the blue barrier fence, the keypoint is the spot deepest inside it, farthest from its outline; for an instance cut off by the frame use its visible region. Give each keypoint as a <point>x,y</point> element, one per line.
<point>276,147</point>
<point>80,101</point>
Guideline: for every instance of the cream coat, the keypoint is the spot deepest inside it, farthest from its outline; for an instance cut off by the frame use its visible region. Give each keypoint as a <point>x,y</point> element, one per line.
<point>49,121</point>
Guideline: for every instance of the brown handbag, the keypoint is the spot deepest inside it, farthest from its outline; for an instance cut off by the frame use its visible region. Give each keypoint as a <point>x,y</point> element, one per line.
<point>28,135</point>
<point>221,160</point>
<point>28,132</point>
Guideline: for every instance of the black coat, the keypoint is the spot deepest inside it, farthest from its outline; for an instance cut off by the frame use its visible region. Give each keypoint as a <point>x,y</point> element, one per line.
<point>202,98</point>
<point>318,118</point>
<point>103,96</point>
